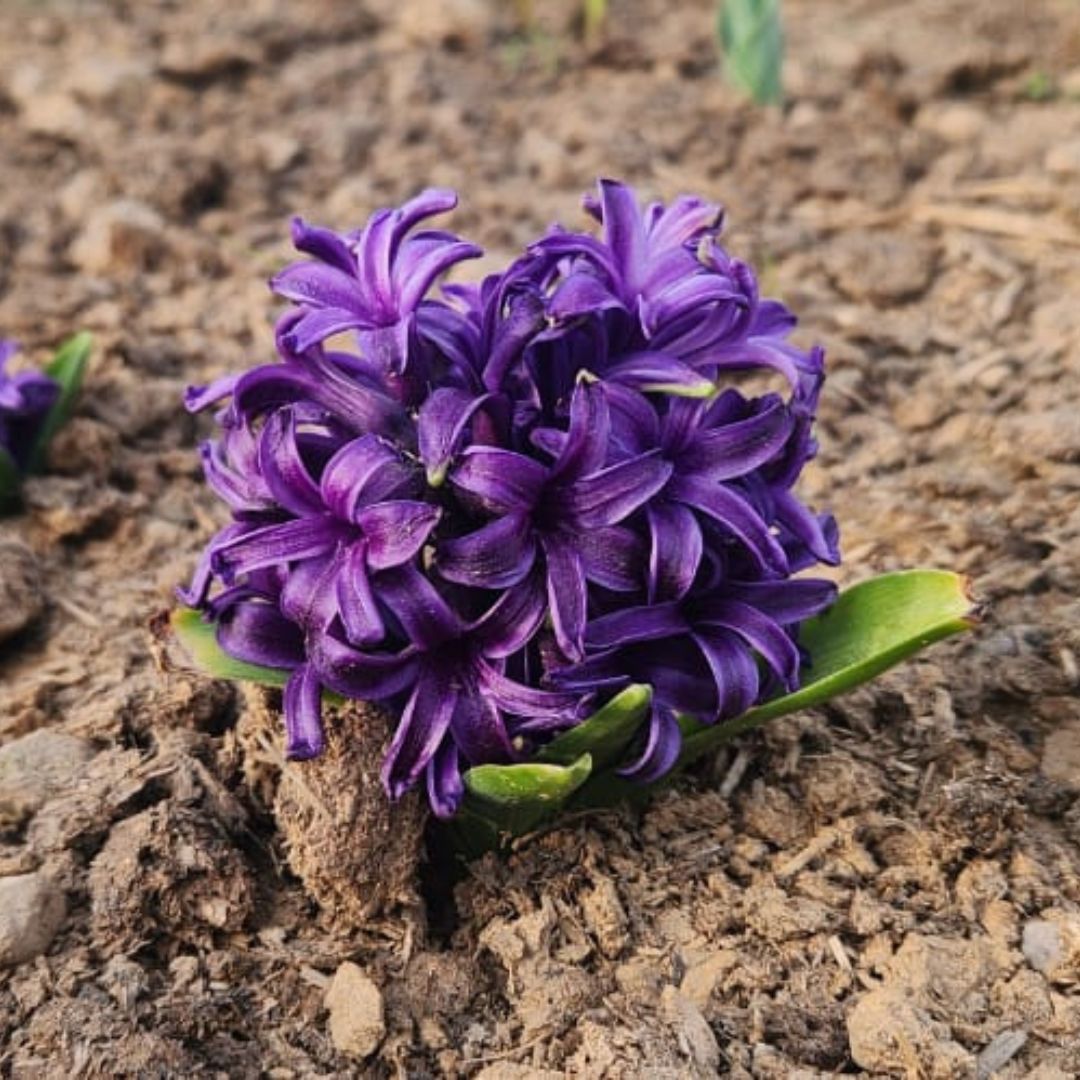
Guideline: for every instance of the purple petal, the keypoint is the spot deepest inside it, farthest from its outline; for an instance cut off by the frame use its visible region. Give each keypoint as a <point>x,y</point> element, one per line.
<point>423,724</point>
<point>658,373</point>
<point>526,701</point>
<point>257,633</point>
<point>355,673</point>
<point>396,530</point>
<point>440,426</point>
<point>357,606</point>
<point>737,449</point>
<point>276,545</point>
<point>613,557</point>
<point>663,742</point>
<point>302,701</point>
<point>733,670</point>
<point>309,595</point>
<point>425,617</point>
<point>494,557</point>
<point>785,602</point>
<point>365,470</point>
<point>625,235</point>
<point>758,631</point>
<point>479,729</point>
<point>197,398</point>
<point>735,515</point>
<point>608,496</point>
<point>566,594</point>
<point>630,625</point>
<point>587,437</point>
<point>324,245</point>
<point>510,623</point>
<point>424,260</point>
<point>815,532</point>
<point>676,550</point>
<point>580,294</point>
<point>445,787</point>
<point>320,286</point>
<point>283,468</point>
<point>501,480</point>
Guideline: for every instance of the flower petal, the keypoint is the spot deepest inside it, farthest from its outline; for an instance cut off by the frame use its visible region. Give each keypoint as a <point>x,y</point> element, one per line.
<point>629,625</point>
<point>733,670</point>
<point>365,470</point>
<point>658,373</point>
<point>785,602</point>
<point>426,619</point>
<point>735,515</point>
<point>302,705</point>
<point>357,606</point>
<point>501,480</point>
<point>277,545</point>
<point>613,557</point>
<point>479,729</point>
<point>396,530</point>
<point>445,786</point>
<point>566,594</point>
<point>676,550</point>
<point>440,425</point>
<point>724,453</point>
<point>609,496</point>
<point>257,633</point>
<point>494,557</point>
<point>423,724</point>
<point>510,623</point>
<point>283,468</point>
<point>758,631</point>
<point>663,741</point>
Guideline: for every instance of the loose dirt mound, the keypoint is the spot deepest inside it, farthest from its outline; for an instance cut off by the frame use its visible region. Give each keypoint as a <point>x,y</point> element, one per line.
<point>889,886</point>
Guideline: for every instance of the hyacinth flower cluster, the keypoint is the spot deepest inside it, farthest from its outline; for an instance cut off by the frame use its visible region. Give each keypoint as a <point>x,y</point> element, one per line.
<point>490,507</point>
<point>33,405</point>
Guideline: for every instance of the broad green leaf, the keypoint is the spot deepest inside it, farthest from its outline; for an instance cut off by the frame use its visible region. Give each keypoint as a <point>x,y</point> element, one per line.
<point>9,478</point>
<point>515,799</point>
<point>67,367</point>
<point>198,638</point>
<point>752,45</point>
<point>871,627</point>
<point>605,734</point>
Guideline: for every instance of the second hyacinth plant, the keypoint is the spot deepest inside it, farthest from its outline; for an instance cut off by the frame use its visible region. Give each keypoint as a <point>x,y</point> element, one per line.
<point>549,521</point>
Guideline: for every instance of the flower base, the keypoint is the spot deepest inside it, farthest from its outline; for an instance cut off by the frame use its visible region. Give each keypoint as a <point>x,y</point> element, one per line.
<point>357,853</point>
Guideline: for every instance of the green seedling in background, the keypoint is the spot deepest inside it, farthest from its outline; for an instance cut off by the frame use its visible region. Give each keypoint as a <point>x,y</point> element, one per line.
<point>751,40</point>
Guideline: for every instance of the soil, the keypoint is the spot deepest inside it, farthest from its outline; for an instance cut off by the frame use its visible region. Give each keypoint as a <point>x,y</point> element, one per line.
<point>886,887</point>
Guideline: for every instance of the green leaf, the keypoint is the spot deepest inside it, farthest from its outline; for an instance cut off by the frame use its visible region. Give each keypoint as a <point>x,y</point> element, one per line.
<point>515,799</point>
<point>9,479</point>
<point>752,45</point>
<point>871,627</point>
<point>198,639</point>
<point>67,367</point>
<point>605,734</point>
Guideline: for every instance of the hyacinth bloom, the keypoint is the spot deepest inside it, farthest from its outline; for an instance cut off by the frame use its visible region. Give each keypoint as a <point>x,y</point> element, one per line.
<point>25,400</point>
<point>495,505</point>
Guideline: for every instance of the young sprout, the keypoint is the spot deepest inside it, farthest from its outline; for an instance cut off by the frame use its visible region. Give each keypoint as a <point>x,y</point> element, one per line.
<point>751,39</point>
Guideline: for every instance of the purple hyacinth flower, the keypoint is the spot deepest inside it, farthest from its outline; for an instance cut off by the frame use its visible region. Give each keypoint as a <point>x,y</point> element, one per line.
<point>25,400</point>
<point>509,499</point>
<point>372,281</point>
<point>543,511</point>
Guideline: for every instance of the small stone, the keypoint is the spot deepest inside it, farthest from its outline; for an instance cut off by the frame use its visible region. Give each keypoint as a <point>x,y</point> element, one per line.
<point>34,768</point>
<point>1061,754</point>
<point>55,114</point>
<point>84,191</point>
<point>1063,158</point>
<point>32,909</point>
<point>357,1025</point>
<point>122,235</point>
<point>1051,945</point>
<point>953,121</point>
<point>96,78</point>
<point>883,268</point>
<point>460,23</point>
<point>21,597</point>
<point>692,1030</point>
<point>277,151</point>
<point>702,978</point>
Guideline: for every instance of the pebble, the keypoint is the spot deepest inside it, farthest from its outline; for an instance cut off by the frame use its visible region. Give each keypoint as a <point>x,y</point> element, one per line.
<point>464,23</point>
<point>33,768</point>
<point>1052,946</point>
<point>952,121</point>
<point>1063,159</point>
<point>21,597</point>
<point>123,234</point>
<point>32,910</point>
<point>692,1030</point>
<point>55,114</point>
<point>357,1025</point>
<point>884,268</point>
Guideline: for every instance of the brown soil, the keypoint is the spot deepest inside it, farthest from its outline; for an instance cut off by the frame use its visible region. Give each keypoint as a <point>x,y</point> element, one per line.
<point>887,887</point>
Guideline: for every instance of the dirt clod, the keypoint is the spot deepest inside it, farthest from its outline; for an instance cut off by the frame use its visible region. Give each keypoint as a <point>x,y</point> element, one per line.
<point>34,767</point>
<point>21,597</point>
<point>356,1012</point>
<point>32,909</point>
